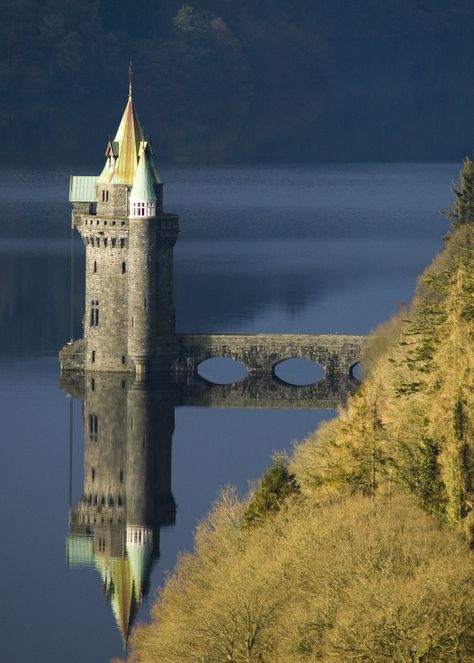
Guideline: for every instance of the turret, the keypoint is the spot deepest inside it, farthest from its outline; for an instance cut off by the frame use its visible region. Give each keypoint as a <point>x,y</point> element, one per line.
<point>142,260</point>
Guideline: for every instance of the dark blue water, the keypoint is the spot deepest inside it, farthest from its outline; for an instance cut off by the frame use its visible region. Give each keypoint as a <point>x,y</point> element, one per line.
<point>272,249</point>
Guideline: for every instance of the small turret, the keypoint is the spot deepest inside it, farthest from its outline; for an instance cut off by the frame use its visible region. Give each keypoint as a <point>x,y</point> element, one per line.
<point>142,196</point>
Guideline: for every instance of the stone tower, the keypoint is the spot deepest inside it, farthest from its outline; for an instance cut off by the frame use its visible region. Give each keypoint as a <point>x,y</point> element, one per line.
<point>126,496</point>
<point>129,321</point>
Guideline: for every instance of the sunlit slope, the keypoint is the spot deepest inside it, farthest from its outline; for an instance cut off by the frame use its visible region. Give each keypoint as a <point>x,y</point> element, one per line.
<point>355,549</point>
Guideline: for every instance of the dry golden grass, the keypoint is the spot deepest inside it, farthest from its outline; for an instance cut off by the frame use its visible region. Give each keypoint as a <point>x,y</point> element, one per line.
<point>368,562</point>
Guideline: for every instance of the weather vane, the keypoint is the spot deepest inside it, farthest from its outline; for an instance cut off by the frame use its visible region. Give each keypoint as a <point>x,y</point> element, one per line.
<point>130,74</point>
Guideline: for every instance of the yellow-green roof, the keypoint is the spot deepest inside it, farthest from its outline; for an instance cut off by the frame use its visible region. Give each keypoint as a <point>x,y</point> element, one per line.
<point>123,152</point>
<point>126,142</point>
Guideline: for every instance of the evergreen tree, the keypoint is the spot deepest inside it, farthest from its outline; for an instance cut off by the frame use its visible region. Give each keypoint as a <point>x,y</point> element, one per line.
<point>462,209</point>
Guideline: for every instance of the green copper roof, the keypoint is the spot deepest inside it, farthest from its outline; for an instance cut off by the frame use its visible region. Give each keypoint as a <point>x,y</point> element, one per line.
<point>140,563</point>
<point>82,189</point>
<point>80,550</point>
<point>142,189</point>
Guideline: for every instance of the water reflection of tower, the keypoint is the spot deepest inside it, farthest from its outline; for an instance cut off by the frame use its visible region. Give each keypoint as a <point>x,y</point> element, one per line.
<point>115,527</point>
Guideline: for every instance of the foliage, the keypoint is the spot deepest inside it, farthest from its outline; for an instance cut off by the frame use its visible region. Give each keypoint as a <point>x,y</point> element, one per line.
<point>359,580</point>
<point>369,563</point>
<point>227,80</point>
<point>462,209</point>
<point>276,485</point>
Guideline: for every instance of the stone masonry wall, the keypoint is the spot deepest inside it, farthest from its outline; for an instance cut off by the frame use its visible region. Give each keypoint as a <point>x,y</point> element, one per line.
<point>106,292</point>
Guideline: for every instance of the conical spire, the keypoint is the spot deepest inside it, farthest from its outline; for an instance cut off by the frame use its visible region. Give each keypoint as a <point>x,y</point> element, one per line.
<point>128,136</point>
<point>125,146</point>
<point>142,189</point>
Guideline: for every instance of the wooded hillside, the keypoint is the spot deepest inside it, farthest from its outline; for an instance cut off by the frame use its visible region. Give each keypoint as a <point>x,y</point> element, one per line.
<point>357,548</point>
<point>221,80</point>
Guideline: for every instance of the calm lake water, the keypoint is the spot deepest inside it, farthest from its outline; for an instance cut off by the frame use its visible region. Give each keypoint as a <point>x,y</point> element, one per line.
<point>313,249</point>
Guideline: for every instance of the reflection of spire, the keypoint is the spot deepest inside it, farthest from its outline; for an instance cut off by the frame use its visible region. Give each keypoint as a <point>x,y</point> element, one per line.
<point>127,495</point>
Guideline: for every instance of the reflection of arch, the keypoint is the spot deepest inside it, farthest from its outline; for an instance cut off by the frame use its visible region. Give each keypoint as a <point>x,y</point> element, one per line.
<point>304,363</point>
<point>222,364</point>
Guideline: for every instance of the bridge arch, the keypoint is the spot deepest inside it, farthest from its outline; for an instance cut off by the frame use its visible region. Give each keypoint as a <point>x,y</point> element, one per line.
<point>298,372</point>
<point>221,370</point>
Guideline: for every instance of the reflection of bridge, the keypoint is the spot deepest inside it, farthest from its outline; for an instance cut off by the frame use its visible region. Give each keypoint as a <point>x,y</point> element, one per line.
<point>256,392</point>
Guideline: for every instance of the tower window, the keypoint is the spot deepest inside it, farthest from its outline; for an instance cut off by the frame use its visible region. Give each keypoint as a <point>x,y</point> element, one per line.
<point>94,317</point>
<point>124,267</point>
<point>93,384</point>
<point>93,474</point>
<point>123,359</point>
<point>105,196</point>
<point>122,243</point>
<point>114,241</point>
<point>121,476</point>
<point>93,427</point>
<point>93,357</point>
<point>95,266</point>
<point>145,303</point>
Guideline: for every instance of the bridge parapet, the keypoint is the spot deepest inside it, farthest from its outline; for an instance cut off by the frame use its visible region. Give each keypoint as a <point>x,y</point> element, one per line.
<point>261,353</point>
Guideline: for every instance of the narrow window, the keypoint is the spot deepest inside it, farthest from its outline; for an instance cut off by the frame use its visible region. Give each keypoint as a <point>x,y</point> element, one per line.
<point>145,303</point>
<point>122,243</point>
<point>132,320</point>
<point>123,384</point>
<point>121,476</point>
<point>94,317</point>
<point>93,357</point>
<point>114,241</point>
<point>123,359</point>
<point>93,474</point>
<point>93,427</point>
<point>95,266</point>
<point>124,267</point>
<point>93,384</point>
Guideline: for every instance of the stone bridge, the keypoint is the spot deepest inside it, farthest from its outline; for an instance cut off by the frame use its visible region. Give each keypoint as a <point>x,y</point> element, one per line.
<point>261,353</point>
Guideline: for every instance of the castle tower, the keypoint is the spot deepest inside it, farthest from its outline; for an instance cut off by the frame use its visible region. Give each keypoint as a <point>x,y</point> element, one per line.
<point>129,320</point>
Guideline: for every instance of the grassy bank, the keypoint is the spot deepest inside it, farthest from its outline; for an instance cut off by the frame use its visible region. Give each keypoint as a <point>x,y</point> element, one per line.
<point>357,547</point>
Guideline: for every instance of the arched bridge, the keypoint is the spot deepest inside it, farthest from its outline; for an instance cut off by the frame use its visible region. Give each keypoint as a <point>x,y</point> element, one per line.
<point>261,353</point>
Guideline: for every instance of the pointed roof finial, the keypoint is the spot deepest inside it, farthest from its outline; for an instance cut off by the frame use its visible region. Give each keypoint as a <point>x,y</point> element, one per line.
<point>130,74</point>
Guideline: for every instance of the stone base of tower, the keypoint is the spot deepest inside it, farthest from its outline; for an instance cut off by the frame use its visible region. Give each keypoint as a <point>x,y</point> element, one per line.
<point>72,359</point>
